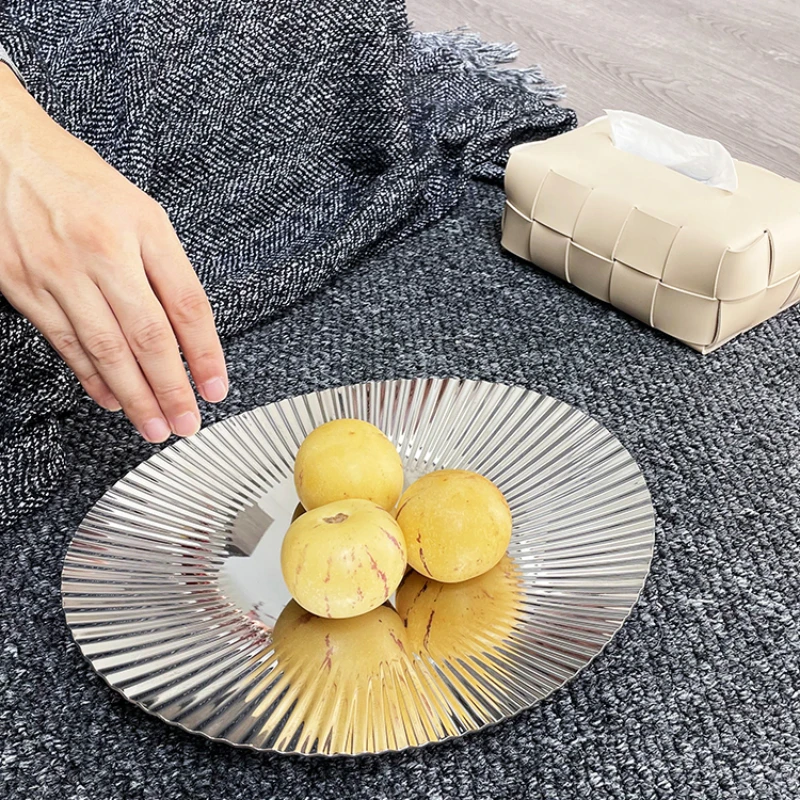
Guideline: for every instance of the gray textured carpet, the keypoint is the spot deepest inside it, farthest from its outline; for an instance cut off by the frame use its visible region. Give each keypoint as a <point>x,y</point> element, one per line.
<point>699,694</point>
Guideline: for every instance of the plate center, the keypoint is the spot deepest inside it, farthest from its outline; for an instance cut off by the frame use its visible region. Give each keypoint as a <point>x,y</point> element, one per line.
<point>251,577</point>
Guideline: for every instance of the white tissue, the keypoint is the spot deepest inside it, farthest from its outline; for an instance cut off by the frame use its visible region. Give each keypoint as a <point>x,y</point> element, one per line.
<point>705,160</point>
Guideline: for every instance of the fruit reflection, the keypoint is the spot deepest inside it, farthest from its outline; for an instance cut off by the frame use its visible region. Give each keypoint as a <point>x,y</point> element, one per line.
<point>385,679</point>
<point>449,621</point>
<point>344,682</point>
<point>354,646</point>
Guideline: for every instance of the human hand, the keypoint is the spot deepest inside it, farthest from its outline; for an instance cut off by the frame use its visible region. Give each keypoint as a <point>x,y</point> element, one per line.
<point>95,265</point>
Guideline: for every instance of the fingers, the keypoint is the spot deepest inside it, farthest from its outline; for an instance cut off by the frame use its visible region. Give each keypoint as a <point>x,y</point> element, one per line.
<point>187,308</point>
<point>102,339</point>
<point>58,330</point>
<point>151,341</point>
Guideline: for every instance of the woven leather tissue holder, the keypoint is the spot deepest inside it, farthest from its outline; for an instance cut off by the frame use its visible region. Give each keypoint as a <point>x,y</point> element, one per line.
<point>698,263</point>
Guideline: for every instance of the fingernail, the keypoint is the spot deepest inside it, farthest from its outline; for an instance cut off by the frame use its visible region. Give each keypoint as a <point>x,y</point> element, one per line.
<point>111,405</point>
<point>186,424</point>
<point>155,430</point>
<point>214,390</point>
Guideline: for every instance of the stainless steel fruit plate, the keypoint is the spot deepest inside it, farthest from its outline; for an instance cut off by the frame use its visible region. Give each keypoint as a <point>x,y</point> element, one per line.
<point>172,584</point>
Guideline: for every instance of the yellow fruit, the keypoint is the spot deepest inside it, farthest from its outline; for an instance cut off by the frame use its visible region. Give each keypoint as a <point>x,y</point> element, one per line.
<point>347,458</point>
<point>452,620</point>
<point>344,558</point>
<point>457,524</point>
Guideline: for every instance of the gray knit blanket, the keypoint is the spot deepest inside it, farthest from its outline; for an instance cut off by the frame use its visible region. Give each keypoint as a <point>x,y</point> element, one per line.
<point>284,138</point>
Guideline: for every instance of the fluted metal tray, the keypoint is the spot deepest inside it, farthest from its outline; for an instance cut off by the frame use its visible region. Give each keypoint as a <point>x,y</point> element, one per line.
<point>172,585</point>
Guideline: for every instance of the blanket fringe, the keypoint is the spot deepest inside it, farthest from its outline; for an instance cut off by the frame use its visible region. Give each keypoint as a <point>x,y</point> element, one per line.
<point>466,48</point>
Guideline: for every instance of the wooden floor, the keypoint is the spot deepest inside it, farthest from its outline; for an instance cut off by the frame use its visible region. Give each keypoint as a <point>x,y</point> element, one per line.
<point>726,69</point>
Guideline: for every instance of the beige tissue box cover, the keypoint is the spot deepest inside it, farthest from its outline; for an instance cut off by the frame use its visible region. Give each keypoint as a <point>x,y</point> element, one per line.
<point>698,263</point>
